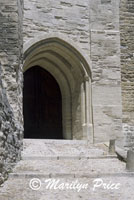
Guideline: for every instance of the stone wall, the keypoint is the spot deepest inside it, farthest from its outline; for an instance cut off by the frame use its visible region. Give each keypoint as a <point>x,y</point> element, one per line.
<point>11,127</point>
<point>93,25</point>
<point>106,74</point>
<point>127,67</point>
<point>69,17</point>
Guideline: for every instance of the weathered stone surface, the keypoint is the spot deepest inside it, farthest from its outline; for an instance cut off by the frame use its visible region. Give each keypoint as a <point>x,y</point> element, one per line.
<point>106,85</point>
<point>130,161</point>
<point>10,84</point>
<point>67,170</point>
<point>94,27</point>
<point>112,146</point>
<point>68,17</point>
<point>91,30</point>
<point>127,69</point>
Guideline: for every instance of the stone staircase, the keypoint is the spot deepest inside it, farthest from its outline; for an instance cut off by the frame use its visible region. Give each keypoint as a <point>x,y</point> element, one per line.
<point>69,164</point>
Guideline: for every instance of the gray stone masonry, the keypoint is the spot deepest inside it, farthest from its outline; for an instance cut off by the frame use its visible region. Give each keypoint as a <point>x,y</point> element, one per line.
<point>11,129</point>
<point>127,69</point>
<point>93,48</point>
<point>93,25</point>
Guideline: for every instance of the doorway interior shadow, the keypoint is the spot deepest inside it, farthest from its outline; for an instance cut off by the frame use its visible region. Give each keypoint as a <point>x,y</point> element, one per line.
<point>42,105</point>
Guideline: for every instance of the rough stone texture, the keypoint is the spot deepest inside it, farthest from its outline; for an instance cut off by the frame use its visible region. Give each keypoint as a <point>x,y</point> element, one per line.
<point>9,136</point>
<point>127,67</point>
<point>128,131</point>
<point>10,85</point>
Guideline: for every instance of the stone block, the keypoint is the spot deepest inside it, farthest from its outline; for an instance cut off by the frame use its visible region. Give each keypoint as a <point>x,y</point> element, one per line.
<point>130,161</point>
<point>112,146</point>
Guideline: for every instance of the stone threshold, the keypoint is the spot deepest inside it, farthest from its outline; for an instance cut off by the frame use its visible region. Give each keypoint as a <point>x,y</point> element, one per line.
<point>70,175</point>
<point>54,141</point>
<point>68,157</point>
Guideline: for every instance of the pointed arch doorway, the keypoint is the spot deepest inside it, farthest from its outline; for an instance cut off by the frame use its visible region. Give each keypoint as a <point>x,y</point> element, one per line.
<point>42,105</point>
<point>70,67</point>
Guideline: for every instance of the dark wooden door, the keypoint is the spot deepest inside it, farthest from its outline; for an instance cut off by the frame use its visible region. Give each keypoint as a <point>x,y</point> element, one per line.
<point>42,105</point>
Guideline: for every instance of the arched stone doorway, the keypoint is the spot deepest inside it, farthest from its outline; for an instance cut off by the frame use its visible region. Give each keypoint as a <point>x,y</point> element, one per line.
<point>42,105</point>
<point>71,69</point>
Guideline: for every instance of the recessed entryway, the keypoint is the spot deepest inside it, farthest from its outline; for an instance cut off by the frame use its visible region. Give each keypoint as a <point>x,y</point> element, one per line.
<point>42,105</point>
<point>71,72</point>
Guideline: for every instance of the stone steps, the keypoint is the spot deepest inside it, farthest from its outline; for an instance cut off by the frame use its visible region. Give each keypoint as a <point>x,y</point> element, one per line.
<point>67,162</point>
<point>68,166</point>
<point>70,159</point>
<point>19,188</point>
<point>65,148</point>
<point>28,175</point>
<point>67,157</point>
